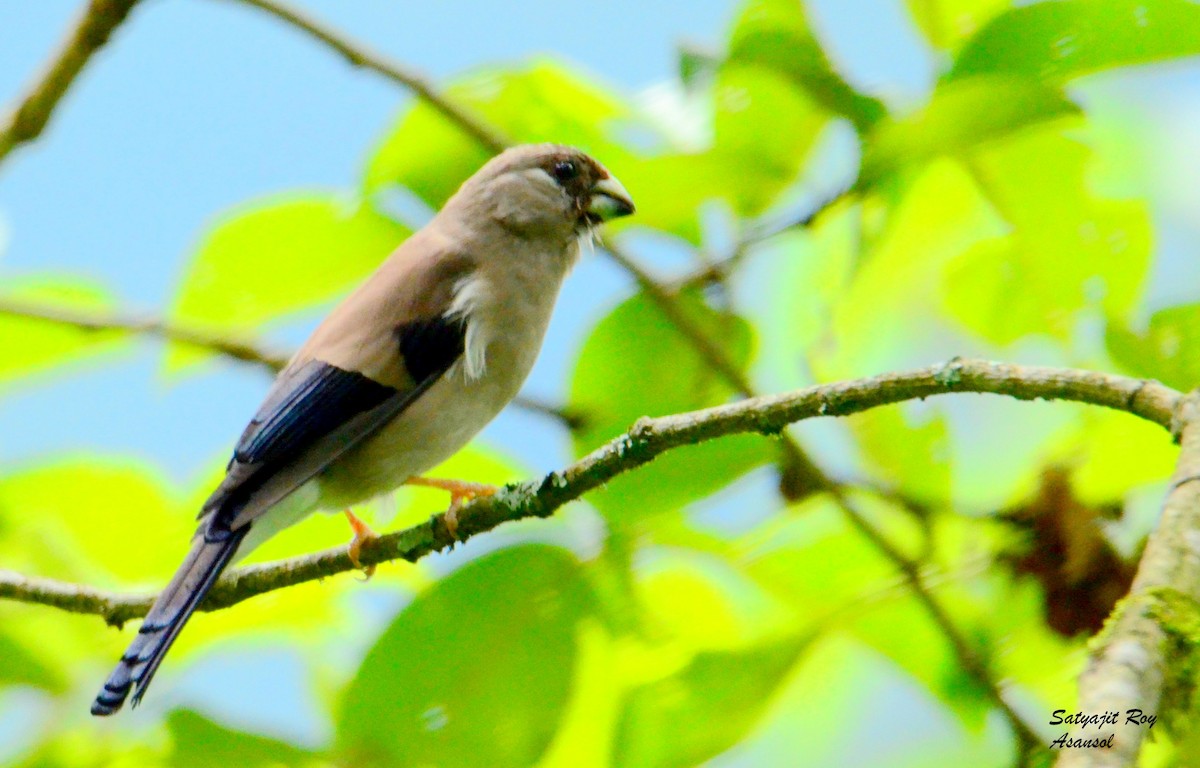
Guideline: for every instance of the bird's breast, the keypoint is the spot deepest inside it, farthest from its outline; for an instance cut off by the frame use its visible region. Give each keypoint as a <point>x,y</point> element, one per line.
<point>508,336</point>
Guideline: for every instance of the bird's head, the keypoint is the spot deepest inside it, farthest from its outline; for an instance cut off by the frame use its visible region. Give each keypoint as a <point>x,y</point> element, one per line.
<point>545,189</point>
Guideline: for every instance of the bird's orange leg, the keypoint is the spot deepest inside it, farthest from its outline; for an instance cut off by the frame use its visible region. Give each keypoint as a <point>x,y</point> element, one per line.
<point>460,492</point>
<point>362,534</point>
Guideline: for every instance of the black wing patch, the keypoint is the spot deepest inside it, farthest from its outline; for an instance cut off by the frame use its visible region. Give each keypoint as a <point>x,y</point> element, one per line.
<point>327,406</point>
<point>431,346</point>
<point>323,398</point>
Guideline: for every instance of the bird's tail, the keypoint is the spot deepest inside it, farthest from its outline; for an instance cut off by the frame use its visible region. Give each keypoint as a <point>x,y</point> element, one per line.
<point>212,550</point>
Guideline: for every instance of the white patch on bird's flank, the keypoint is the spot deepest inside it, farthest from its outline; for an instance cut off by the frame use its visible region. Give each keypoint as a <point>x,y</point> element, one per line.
<point>470,294</point>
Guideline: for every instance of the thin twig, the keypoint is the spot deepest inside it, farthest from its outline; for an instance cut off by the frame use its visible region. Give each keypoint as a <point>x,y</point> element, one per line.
<point>647,439</point>
<point>89,34</point>
<point>236,349</point>
<point>719,270</point>
<point>85,320</point>
<point>968,659</point>
<point>800,476</point>
<point>360,56</point>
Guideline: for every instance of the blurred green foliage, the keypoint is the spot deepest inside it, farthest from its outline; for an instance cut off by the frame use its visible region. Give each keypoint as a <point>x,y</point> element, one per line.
<point>971,226</point>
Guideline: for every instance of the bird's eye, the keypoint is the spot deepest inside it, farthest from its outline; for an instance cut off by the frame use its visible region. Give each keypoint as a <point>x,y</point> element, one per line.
<point>565,170</point>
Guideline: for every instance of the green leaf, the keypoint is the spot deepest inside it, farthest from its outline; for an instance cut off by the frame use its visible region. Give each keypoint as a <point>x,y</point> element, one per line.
<point>546,101</point>
<point>947,23</point>
<point>889,314</point>
<point>542,101</point>
<point>700,602</point>
<point>775,34</point>
<point>198,742</point>
<point>21,667</point>
<point>32,346</point>
<point>962,115</point>
<point>1068,252</point>
<point>745,166</point>
<point>73,747</point>
<point>926,653</point>
<point>56,519</point>
<point>633,364</point>
<point>1168,350</point>
<point>476,671</point>
<point>909,454</point>
<point>791,555</point>
<point>1057,41</point>
<point>277,256</point>
<point>1113,453</point>
<point>758,162</point>
<point>703,710</point>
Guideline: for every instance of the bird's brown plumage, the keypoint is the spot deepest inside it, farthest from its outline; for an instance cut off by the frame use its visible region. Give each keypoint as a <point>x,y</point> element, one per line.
<point>399,376</point>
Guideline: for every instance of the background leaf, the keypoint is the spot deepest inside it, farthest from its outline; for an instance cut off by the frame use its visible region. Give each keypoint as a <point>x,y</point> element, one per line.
<point>1059,40</point>
<point>199,743</point>
<point>1168,350</point>
<point>276,257</point>
<point>776,34</point>
<point>703,710</point>
<point>622,376</point>
<point>947,23</point>
<point>460,703</point>
<point>962,114</point>
<point>34,346</point>
<point>1069,250</point>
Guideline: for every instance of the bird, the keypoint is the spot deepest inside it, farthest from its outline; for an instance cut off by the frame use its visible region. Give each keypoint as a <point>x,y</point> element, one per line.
<point>398,377</point>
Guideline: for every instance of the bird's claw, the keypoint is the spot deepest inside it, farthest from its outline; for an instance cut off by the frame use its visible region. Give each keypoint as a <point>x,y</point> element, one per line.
<point>363,533</point>
<point>460,492</point>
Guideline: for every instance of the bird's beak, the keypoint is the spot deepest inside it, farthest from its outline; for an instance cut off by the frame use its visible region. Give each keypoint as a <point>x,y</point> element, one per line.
<point>609,200</point>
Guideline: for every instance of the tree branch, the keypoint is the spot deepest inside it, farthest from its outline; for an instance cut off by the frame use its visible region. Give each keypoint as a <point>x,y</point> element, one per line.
<point>236,349</point>
<point>1147,647</point>
<point>968,659</point>
<point>647,439</point>
<point>360,56</point>
<point>800,476</point>
<point>90,33</point>
<point>89,320</point>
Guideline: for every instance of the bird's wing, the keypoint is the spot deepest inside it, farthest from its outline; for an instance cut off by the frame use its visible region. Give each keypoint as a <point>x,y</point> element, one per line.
<point>374,356</point>
<point>370,359</point>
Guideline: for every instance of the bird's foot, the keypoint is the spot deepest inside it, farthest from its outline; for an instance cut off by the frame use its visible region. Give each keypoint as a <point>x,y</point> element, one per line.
<point>460,492</point>
<point>363,533</point>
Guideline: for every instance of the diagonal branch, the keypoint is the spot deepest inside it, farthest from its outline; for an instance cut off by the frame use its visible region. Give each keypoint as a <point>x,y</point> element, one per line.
<point>967,657</point>
<point>800,476</point>
<point>1147,649</point>
<point>647,439</point>
<point>90,33</point>
<point>360,56</point>
<point>90,320</point>
<point>236,349</point>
